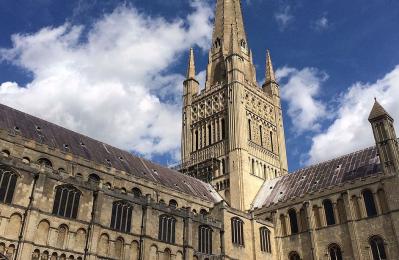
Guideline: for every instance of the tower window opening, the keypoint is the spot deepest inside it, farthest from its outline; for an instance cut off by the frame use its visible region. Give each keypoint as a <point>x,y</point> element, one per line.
<point>223,128</point>
<point>369,203</point>
<point>293,221</point>
<point>329,212</point>
<point>249,130</point>
<point>196,139</point>
<point>271,141</point>
<point>209,134</point>
<point>261,135</point>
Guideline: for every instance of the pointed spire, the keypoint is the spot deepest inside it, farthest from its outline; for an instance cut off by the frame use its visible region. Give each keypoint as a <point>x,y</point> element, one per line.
<point>191,65</point>
<point>228,12</point>
<point>234,48</point>
<point>378,111</point>
<point>270,77</point>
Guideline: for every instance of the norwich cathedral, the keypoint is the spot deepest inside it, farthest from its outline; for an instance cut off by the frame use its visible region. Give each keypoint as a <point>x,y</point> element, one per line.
<point>64,195</point>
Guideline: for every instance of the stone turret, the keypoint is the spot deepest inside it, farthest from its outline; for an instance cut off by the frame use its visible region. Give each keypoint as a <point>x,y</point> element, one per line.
<point>190,88</point>
<point>385,138</point>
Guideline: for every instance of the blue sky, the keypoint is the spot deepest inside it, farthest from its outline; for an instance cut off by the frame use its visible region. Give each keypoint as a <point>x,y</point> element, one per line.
<point>113,69</point>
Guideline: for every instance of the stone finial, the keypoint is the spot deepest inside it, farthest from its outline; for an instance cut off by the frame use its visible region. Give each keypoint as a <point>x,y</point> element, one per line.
<point>270,76</point>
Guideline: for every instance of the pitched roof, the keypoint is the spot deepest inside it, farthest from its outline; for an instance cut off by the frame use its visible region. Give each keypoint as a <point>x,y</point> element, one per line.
<point>377,111</point>
<point>55,136</point>
<point>319,177</point>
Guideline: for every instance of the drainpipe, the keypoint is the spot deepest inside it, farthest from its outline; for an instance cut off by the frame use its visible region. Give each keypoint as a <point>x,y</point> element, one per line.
<point>35,177</point>
<point>90,227</point>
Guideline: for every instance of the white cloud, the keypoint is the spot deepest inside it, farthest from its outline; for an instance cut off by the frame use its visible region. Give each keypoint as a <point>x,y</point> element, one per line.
<point>351,130</point>
<point>321,24</point>
<point>301,88</point>
<point>113,85</point>
<point>284,17</point>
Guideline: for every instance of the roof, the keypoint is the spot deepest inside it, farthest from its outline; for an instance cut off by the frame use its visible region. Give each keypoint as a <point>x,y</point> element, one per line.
<point>55,136</point>
<point>318,177</point>
<point>377,111</point>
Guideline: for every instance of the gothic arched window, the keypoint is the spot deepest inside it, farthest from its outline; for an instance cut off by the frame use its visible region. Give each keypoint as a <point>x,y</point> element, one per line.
<point>237,231</point>
<point>369,203</point>
<point>293,221</point>
<point>136,192</point>
<point>167,228</point>
<point>294,256</point>
<point>377,248</point>
<point>205,240</point>
<point>329,212</point>
<point>334,251</point>
<point>249,130</point>
<point>45,162</point>
<point>265,243</point>
<point>173,204</point>
<point>8,181</point>
<point>121,218</point>
<point>66,201</point>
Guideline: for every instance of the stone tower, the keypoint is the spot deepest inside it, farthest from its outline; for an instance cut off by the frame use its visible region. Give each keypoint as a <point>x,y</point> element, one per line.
<point>232,134</point>
<point>385,138</point>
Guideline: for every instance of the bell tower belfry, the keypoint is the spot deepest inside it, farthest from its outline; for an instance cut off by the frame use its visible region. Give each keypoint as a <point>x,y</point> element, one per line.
<point>232,130</point>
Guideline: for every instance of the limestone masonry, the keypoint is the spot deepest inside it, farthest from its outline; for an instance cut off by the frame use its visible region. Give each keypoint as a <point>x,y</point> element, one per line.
<point>65,196</point>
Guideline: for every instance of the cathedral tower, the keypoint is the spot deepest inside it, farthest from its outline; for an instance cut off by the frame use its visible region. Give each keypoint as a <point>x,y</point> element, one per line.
<point>232,134</point>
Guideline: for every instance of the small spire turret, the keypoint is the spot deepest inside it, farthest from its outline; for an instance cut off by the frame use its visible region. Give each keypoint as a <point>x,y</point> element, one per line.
<point>269,75</point>
<point>191,65</point>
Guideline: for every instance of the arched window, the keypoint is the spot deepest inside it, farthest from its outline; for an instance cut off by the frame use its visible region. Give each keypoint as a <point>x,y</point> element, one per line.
<point>66,201</point>
<point>45,256</point>
<point>261,135</point>
<point>377,248</point>
<point>94,179</point>
<point>205,239</point>
<point>45,162</point>
<point>167,227</point>
<point>293,221</point>
<point>329,212</point>
<point>173,203</point>
<point>121,218</point>
<point>369,203</point>
<point>237,231</point>
<point>334,251</point>
<point>35,255</point>
<point>8,181</point>
<point>203,212</point>
<point>265,243</point>
<point>136,192</point>
<point>294,256</point>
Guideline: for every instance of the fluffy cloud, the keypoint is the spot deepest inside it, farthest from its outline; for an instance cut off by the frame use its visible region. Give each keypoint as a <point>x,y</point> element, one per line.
<point>284,17</point>
<point>300,88</point>
<point>321,24</point>
<point>109,81</point>
<point>351,130</point>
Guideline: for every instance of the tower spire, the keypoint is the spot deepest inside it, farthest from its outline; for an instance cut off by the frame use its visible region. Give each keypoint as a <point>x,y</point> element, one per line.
<point>191,65</point>
<point>228,14</point>
<point>270,76</point>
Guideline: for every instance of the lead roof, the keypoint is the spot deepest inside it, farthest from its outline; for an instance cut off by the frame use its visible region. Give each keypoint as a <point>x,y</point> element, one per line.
<point>54,136</point>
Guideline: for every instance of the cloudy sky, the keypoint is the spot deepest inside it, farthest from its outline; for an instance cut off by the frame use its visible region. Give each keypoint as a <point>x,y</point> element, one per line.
<point>114,69</point>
